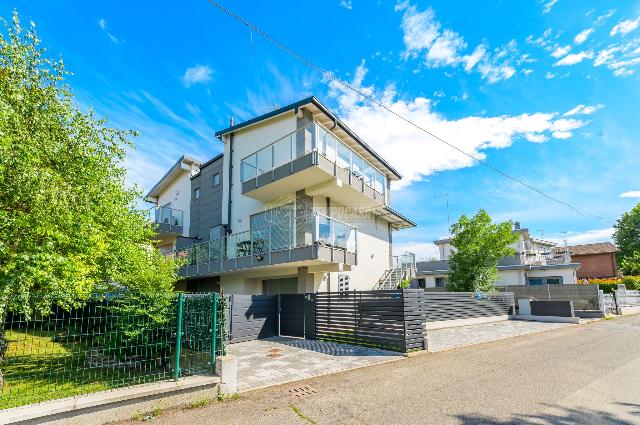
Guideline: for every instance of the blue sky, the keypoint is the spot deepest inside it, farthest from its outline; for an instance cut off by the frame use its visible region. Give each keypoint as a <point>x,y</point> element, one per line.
<point>546,91</point>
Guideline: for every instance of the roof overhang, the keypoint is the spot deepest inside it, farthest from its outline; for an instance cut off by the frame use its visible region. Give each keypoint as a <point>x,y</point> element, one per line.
<point>324,116</point>
<point>183,164</point>
<point>397,220</point>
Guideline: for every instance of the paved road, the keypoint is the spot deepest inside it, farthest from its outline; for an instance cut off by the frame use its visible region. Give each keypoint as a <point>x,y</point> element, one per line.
<point>587,374</point>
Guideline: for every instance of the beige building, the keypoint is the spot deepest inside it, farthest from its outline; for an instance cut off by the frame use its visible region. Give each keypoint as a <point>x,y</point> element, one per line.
<point>297,202</point>
<point>537,262</point>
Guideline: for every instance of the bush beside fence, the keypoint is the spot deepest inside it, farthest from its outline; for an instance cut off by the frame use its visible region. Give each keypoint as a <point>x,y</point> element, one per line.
<point>98,347</point>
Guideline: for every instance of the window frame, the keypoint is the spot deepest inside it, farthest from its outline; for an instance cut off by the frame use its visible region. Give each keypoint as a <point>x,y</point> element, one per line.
<point>196,193</point>
<point>215,180</point>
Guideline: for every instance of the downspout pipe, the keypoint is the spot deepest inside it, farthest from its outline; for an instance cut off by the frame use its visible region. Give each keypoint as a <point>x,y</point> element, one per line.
<point>230,179</point>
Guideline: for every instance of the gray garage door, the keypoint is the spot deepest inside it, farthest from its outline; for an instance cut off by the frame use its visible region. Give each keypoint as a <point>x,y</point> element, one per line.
<point>252,317</point>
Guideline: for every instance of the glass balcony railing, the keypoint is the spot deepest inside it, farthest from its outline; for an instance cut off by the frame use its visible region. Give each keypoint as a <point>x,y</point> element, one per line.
<point>314,137</point>
<point>166,215</point>
<point>279,235</point>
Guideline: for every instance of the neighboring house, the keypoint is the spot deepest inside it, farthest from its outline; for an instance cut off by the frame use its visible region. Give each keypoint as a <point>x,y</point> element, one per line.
<point>596,259</point>
<point>537,262</point>
<point>297,202</point>
<point>172,199</point>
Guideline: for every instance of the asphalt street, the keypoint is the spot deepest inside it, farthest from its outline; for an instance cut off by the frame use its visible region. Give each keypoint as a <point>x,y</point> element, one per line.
<point>584,374</point>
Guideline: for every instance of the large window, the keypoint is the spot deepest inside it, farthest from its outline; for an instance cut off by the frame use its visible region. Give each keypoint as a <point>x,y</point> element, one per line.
<point>287,285</point>
<point>548,280</point>
<point>441,282</point>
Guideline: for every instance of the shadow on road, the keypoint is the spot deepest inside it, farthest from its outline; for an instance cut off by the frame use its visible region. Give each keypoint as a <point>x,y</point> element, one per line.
<point>565,416</point>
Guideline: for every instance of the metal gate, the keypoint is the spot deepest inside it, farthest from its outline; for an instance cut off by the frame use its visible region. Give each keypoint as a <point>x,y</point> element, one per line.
<point>292,317</point>
<point>252,317</point>
<point>199,333</point>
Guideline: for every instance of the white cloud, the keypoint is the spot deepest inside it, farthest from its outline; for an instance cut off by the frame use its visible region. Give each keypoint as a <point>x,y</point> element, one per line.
<point>102,23</point>
<point>423,250</point>
<point>583,35</point>
<point>199,74</point>
<point>574,58</point>
<point>600,19</point>
<point>561,51</point>
<point>346,4</point>
<point>583,110</point>
<point>620,58</point>
<point>445,49</point>
<point>631,194</point>
<point>581,238</point>
<point>550,75</point>
<point>625,27</point>
<point>425,38</point>
<point>393,138</point>
<point>548,5</point>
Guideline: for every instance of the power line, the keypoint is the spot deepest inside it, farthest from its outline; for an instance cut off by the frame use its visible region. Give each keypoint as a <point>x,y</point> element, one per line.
<point>371,99</point>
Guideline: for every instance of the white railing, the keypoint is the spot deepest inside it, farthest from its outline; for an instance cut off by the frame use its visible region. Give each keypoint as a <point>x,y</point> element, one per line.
<point>545,259</point>
<point>314,137</point>
<point>280,235</point>
<point>166,215</point>
<point>404,267</point>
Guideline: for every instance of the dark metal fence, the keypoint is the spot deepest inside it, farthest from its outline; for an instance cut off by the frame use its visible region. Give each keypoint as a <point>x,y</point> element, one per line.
<point>391,320</point>
<point>105,345</point>
<point>442,306</point>
<point>584,297</point>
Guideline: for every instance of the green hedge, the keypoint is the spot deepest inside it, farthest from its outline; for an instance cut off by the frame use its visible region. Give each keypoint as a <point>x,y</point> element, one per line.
<point>611,284</point>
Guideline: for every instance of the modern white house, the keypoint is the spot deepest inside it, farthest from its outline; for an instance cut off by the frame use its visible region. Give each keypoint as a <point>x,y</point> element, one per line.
<point>171,197</point>
<point>537,262</point>
<point>296,202</point>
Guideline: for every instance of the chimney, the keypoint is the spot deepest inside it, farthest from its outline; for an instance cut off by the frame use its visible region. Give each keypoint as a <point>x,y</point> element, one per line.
<point>516,225</point>
<point>231,122</point>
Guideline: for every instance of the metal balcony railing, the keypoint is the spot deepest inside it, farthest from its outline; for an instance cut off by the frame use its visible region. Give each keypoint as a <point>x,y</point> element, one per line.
<point>280,235</point>
<point>166,215</point>
<point>545,259</point>
<point>317,138</point>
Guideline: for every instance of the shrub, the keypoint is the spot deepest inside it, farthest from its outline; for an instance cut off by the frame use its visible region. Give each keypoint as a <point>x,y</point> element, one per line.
<point>610,284</point>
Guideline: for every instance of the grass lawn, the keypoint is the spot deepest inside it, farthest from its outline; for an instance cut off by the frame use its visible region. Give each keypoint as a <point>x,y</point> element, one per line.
<point>38,367</point>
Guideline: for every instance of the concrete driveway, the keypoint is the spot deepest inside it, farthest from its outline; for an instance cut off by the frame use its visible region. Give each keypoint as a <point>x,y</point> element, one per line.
<point>277,360</point>
<point>445,339</point>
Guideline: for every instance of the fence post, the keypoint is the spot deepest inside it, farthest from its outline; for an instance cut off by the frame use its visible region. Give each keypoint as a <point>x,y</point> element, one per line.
<point>278,311</point>
<point>176,372</point>
<point>214,330</point>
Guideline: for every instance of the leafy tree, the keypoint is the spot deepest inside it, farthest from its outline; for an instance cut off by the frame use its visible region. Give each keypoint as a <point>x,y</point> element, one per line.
<point>627,238</point>
<point>478,243</point>
<point>69,226</point>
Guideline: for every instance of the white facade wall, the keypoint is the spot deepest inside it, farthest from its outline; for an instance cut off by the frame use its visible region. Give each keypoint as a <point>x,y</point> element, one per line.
<point>178,194</point>
<point>568,274</point>
<point>246,142</point>
<point>374,247</point>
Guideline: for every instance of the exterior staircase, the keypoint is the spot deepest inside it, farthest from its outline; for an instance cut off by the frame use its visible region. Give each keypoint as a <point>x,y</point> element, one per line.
<point>404,267</point>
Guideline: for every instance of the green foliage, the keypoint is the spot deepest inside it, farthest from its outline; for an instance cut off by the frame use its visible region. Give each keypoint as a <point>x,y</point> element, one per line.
<point>608,285</point>
<point>478,243</point>
<point>69,225</point>
<point>404,284</point>
<point>627,238</point>
<point>630,265</point>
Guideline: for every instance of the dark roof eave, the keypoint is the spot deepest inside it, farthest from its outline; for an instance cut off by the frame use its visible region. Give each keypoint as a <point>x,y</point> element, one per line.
<point>319,105</point>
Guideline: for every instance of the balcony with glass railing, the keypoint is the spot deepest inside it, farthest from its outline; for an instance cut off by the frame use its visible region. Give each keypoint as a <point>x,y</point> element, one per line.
<point>167,220</point>
<point>314,239</point>
<point>307,157</point>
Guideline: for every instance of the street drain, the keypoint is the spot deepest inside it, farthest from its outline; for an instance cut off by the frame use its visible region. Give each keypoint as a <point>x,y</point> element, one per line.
<point>300,392</point>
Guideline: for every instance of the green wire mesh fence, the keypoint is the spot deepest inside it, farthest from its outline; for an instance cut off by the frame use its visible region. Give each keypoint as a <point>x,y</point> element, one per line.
<point>105,345</point>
